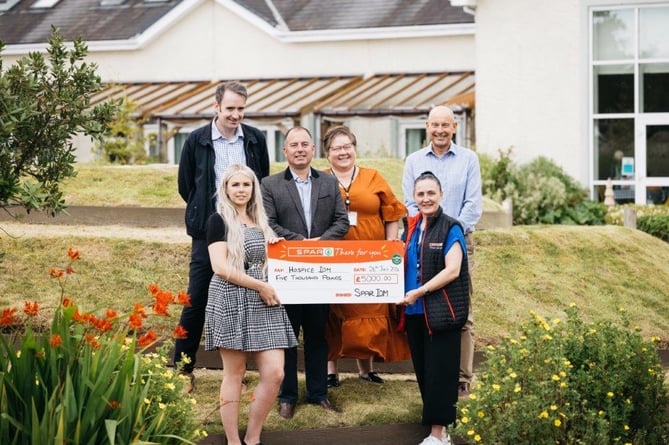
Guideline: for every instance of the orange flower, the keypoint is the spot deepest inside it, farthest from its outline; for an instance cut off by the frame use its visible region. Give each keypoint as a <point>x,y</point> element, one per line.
<point>183,299</point>
<point>93,341</point>
<point>180,332</point>
<point>30,308</point>
<point>69,271</point>
<point>67,302</point>
<point>160,308</point>
<point>165,297</point>
<point>139,310</point>
<point>102,325</point>
<point>147,339</point>
<point>56,273</point>
<point>111,314</point>
<point>154,289</point>
<point>7,317</point>
<point>55,340</point>
<point>73,254</point>
<point>136,321</point>
<point>114,404</point>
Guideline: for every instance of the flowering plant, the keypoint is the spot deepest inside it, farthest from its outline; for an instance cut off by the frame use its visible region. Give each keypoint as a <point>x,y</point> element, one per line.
<point>568,382</point>
<point>91,378</point>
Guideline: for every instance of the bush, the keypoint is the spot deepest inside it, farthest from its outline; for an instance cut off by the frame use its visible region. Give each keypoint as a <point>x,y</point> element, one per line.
<point>89,379</point>
<point>570,383</point>
<point>656,225</point>
<point>542,193</point>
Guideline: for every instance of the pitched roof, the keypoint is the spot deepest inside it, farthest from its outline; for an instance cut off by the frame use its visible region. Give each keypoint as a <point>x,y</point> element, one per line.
<point>91,20</point>
<point>310,15</point>
<point>122,20</point>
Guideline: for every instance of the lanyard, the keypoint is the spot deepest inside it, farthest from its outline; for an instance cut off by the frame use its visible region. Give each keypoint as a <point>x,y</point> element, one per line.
<point>346,189</point>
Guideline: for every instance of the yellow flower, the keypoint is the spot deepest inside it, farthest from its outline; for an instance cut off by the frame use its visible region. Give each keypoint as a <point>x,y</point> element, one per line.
<point>568,364</point>
<point>171,386</point>
<point>557,422</point>
<point>555,378</point>
<point>572,304</point>
<point>609,394</point>
<point>553,407</point>
<point>563,374</point>
<point>470,432</point>
<point>147,401</point>
<point>495,387</point>
<point>517,388</point>
<point>162,405</point>
<point>563,384</point>
<point>513,375</point>
<point>480,414</point>
<point>472,396</point>
<point>626,427</point>
<point>601,413</point>
<point>543,415</point>
<point>547,337</point>
<point>464,420</point>
<point>477,438</point>
<point>18,354</point>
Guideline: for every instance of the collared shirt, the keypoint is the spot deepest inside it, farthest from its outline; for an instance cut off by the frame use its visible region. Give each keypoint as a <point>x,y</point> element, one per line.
<point>304,189</point>
<point>460,175</point>
<point>228,152</point>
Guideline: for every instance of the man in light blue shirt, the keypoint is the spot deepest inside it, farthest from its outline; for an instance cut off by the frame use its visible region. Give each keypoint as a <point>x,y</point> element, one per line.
<point>458,170</point>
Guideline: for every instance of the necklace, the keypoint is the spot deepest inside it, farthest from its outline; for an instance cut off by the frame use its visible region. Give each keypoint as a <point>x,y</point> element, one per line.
<point>346,189</point>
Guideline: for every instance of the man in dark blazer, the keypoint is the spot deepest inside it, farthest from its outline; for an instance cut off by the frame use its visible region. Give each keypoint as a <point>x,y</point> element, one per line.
<point>304,203</point>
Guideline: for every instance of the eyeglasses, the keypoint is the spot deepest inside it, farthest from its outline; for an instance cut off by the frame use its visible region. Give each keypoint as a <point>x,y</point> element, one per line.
<point>347,147</point>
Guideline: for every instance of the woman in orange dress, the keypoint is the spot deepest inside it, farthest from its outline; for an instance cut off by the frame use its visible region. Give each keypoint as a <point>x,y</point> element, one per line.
<point>363,331</point>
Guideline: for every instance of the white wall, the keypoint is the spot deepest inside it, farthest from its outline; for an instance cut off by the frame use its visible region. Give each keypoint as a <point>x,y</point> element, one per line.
<point>531,81</point>
<point>212,42</point>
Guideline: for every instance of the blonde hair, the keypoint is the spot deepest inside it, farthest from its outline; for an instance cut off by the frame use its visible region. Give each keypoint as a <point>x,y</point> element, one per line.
<point>254,210</point>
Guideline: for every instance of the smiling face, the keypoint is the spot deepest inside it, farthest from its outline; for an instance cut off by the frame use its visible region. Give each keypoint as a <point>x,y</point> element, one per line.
<point>427,194</point>
<point>441,126</point>
<point>299,149</point>
<point>341,153</point>
<point>239,190</point>
<point>229,113</point>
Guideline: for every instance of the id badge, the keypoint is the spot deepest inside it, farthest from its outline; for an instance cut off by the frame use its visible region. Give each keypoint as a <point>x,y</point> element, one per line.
<point>353,218</point>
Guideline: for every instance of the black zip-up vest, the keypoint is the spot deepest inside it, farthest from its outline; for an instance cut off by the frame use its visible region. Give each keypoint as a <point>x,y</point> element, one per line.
<point>446,308</point>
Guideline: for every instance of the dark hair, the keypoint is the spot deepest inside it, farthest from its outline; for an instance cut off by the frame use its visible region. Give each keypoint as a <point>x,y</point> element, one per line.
<point>336,131</point>
<point>427,175</point>
<point>233,86</point>
<point>297,127</point>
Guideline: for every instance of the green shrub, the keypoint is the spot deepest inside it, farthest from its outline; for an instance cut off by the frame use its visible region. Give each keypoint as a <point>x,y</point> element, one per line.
<point>89,379</point>
<point>656,225</point>
<point>541,192</point>
<point>568,382</point>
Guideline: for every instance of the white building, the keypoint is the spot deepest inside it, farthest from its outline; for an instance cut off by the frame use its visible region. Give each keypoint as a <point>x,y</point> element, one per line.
<point>582,82</point>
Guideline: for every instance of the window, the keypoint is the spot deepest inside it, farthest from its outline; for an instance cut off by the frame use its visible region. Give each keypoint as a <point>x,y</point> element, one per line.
<point>6,5</point>
<point>629,107</point>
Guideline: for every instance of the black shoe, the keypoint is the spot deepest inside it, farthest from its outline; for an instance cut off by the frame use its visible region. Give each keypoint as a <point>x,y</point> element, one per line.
<point>373,376</point>
<point>333,381</point>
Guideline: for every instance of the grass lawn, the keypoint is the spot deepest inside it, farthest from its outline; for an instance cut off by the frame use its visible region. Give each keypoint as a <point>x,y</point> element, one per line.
<point>540,268</point>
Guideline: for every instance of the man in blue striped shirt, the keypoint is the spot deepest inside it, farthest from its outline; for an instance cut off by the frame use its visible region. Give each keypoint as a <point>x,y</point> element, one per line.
<point>458,170</point>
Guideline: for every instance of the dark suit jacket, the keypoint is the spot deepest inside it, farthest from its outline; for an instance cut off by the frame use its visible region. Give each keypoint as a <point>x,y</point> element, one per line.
<point>329,219</point>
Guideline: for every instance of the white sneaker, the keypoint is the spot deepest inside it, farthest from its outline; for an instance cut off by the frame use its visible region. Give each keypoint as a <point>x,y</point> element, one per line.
<point>431,440</point>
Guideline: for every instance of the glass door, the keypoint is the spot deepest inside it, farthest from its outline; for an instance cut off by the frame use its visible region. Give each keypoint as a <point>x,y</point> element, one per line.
<point>652,155</point>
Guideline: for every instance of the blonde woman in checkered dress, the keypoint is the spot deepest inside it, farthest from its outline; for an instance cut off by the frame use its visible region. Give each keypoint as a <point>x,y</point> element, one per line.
<point>243,312</point>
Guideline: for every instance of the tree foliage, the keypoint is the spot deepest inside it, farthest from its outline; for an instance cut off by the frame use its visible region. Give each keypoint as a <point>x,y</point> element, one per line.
<point>44,101</point>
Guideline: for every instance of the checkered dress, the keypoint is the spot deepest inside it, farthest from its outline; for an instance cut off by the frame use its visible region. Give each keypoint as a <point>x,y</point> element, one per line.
<point>237,318</point>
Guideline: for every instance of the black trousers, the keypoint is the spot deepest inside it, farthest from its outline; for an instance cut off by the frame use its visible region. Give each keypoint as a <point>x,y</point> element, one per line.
<point>436,362</point>
<point>312,319</point>
<point>192,318</point>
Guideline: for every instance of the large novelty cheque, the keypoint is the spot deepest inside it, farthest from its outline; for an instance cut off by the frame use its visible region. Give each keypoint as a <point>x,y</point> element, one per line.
<point>337,271</point>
